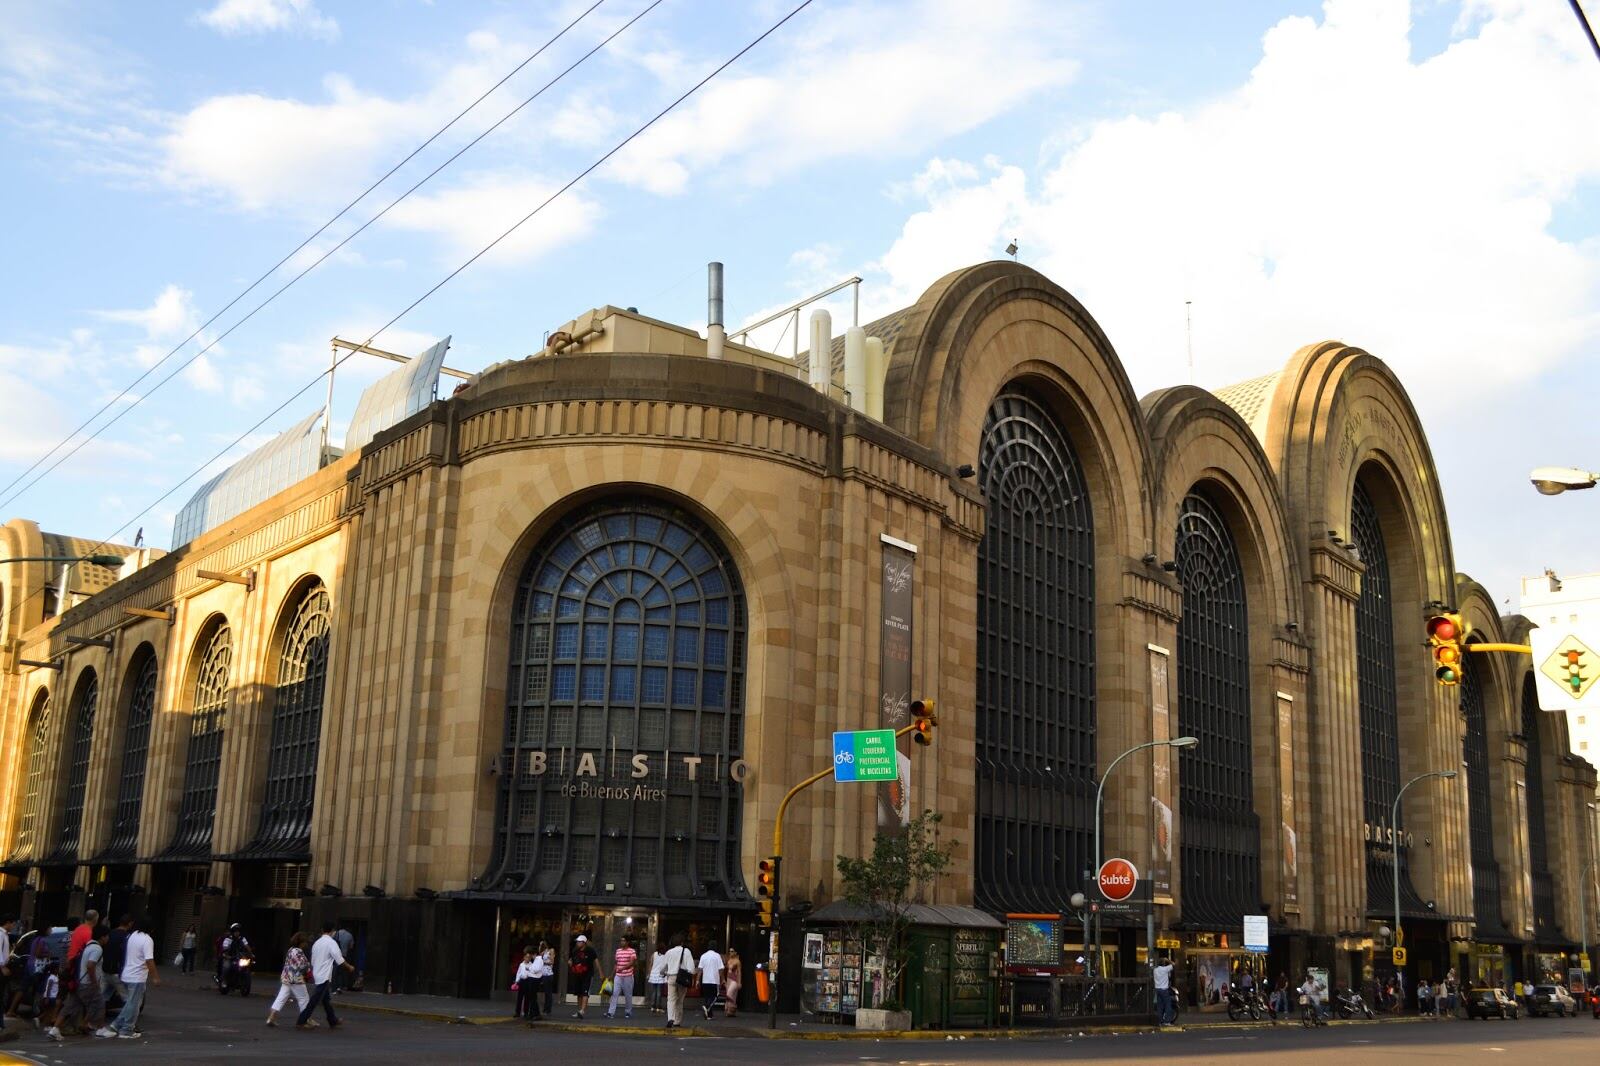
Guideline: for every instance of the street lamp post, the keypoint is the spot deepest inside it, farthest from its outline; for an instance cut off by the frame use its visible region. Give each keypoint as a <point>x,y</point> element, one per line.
<point>1394,823</point>
<point>1583,913</point>
<point>1099,796</point>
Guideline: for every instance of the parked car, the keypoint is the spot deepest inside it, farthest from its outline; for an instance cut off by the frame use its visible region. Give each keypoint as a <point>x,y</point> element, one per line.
<point>1492,1003</point>
<point>1551,999</point>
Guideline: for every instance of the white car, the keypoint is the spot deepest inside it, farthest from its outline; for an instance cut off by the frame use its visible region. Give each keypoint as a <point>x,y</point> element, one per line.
<point>1551,999</point>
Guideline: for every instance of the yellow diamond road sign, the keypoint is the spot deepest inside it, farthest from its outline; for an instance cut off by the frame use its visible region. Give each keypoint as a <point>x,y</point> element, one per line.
<point>1573,666</point>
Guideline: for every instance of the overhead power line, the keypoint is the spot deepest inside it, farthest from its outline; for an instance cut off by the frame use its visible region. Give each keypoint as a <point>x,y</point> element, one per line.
<point>585,172</point>
<point>1588,30</point>
<point>269,272</point>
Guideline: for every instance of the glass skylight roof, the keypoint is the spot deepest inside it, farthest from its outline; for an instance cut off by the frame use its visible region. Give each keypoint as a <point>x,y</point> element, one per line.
<point>396,396</point>
<point>290,457</point>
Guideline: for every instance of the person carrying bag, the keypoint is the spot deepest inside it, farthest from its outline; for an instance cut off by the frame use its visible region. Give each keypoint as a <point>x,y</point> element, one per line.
<point>680,964</point>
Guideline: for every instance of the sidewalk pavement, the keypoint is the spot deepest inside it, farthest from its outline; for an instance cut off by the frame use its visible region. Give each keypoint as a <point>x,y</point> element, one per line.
<point>753,1024</point>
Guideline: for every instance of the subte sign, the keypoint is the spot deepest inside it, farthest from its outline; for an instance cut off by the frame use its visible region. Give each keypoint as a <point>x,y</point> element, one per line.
<point>1118,878</point>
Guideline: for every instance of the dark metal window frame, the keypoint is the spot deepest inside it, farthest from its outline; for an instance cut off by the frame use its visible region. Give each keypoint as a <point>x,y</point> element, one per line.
<point>33,783</point>
<point>85,700</point>
<point>1036,758</point>
<point>135,748</point>
<point>628,634</point>
<point>203,760</point>
<point>1486,905</point>
<point>284,832</point>
<point>1378,689</point>
<point>1221,833</point>
<point>1545,929</point>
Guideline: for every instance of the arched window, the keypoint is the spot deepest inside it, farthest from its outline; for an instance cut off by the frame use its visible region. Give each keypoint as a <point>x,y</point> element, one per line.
<point>33,783</point>
<point>1380,721</point>
<point>84,700</point>
<point>625,712</point>
<point>285,829</point>
<point>1544,889</point>
<point>135,746</point>
<point>1036,661</point>
<point>202,764</point>
<point>1221,838</point>
<point>1480,817</point>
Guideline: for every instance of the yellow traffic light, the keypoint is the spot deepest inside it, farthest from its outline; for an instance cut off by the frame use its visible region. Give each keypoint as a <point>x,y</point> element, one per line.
<point>923,721</point>
<point>1445,633</point>
<point>767,889</point>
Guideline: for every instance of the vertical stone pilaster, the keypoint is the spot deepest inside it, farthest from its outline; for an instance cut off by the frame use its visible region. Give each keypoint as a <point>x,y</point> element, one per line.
<point>1334,725</point>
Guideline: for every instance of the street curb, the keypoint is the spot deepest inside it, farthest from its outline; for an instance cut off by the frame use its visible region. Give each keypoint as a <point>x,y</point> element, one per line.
<point>738,1032</point>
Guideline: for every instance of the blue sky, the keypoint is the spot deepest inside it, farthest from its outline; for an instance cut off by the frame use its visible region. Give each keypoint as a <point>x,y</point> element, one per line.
<point>1419,180</point>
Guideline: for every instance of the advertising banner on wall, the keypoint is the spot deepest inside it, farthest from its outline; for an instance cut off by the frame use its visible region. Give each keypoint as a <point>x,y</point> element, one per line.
<point>1160,871</point>
<point>1291,842</point>
<point>894,670</point>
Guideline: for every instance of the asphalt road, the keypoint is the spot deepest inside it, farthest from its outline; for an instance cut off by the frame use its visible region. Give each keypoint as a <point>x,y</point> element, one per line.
<point>190,1026</point>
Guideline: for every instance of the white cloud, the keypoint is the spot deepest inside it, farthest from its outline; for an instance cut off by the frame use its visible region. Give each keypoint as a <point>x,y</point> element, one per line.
<point>238,17</point>
<point>171,315</point>
<point>469,216</point>
<point>202,374</point>
<point>857,80</point>
<point>1388,208</point>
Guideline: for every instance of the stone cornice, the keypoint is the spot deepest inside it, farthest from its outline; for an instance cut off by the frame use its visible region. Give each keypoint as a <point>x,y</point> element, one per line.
<point>1160,596</point>
<point>1334,570</point>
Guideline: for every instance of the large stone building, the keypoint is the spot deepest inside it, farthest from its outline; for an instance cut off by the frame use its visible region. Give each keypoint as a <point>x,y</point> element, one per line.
<point>545,655</point>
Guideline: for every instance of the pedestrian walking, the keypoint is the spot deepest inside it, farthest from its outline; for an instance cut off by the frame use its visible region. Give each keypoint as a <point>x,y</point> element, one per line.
<point>81,933</point>
<point>1451,989</point>
<point>325,955</point>
<point>186,949</point>
<point>680,968</point>
<point>7,1000</point>
<point>116,992</point>
<point>623,964</point>
<point>658,979</point>
<point>292,979</point>
<point>581,967</point>
<point>732,979</point>
<point>711,967</point>
<point>547,983</point>
<point>83,1007</point>
<point>526,983</point>
<point>138,973</point>
<point>347,948</point>
<point>50,996</point>
<point>1424,998</point>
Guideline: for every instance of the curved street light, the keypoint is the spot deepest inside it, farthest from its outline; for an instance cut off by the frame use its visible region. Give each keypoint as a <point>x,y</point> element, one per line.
<point>1554,480</point>
<point>113,561</point>
<point>1394,822</point>
<point>1099,796</point>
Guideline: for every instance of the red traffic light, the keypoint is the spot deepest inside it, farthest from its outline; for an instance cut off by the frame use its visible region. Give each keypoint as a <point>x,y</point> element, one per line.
<point>1443,627</point>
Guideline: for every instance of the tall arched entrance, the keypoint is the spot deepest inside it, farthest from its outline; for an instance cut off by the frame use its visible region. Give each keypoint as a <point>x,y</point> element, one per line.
<point>1220,843</point>
<point>1036,662</point>
<point>620,776</point>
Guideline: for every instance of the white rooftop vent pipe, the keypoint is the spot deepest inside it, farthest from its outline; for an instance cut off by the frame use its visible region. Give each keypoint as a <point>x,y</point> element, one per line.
<point>855,367</point>
<point>821,350</point>
<point>875,374</point>
<point>715,335</point>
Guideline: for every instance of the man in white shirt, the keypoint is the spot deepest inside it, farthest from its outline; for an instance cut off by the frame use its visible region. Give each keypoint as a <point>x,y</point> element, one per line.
<point>1163,981</point>
<point>710,978</point>
<point>325,955</point>
<point>138,973</point>
<point>679,961</point>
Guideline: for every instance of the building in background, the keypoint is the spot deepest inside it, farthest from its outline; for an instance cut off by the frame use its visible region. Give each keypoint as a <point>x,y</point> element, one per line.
<point>542,658</point>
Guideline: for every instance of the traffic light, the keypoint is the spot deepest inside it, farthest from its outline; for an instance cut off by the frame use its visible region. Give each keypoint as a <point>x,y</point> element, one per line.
<point>1445,633</point>
<point>767,889</point>
<point>924,721</point>
<point>1575,667</point>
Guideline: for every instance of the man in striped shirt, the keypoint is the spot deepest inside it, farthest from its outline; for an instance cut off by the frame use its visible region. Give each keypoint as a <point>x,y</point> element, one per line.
<point>622,980</point>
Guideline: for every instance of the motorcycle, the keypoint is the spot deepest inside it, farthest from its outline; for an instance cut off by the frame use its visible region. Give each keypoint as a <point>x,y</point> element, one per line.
<point>235,975</point>
<point>1348,1003</point>
<point>1242,1002</point>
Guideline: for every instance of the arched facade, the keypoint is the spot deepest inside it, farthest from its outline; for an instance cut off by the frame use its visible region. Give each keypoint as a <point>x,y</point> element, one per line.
<point>379,656</point>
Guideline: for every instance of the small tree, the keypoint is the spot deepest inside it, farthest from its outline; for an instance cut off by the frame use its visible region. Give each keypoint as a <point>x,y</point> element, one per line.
<point>885,884</point>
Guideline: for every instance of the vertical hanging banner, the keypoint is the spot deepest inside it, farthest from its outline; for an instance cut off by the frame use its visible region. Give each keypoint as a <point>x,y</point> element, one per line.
<point>1160,873</point>
<point>1291,842</point>
<point>894,670</point>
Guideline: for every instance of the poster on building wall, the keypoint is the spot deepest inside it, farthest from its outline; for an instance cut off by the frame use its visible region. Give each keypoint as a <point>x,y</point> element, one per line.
<point>1160,873</point>
<point>894,671</point>
<point>1291,842</point>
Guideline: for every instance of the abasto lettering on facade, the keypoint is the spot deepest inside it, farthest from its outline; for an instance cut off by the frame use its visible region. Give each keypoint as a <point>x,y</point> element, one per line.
<point>588,781</point>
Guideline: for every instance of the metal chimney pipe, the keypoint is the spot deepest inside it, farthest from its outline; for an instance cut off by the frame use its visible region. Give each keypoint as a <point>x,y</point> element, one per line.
<point>715,335</point>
